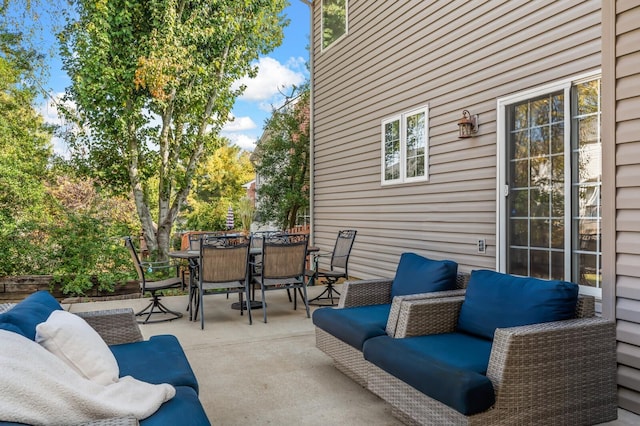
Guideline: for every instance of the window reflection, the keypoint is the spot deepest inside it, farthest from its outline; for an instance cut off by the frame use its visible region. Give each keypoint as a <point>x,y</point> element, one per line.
<point>334,21</point>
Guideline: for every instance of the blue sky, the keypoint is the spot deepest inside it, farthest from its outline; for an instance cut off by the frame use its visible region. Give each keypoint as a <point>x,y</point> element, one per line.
<point>277,72</point>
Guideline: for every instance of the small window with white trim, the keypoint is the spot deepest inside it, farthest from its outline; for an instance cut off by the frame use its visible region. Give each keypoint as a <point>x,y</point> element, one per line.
<point>334,21</point>
<point>405,146</point>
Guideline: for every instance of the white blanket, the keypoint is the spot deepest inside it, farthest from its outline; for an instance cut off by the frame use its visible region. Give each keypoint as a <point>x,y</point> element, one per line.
<point>37,388</point>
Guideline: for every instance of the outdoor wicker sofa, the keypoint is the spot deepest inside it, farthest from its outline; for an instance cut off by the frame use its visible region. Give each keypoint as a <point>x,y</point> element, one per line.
<point>557,372</point>
<point>368,308</point>
<point>158,360</point>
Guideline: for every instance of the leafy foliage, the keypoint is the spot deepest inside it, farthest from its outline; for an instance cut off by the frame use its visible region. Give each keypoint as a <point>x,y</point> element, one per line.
<point>153,84</point>
<point>24,150</point>
<point>50,222</point>
<point>218,185</point>
<point>282,161</point>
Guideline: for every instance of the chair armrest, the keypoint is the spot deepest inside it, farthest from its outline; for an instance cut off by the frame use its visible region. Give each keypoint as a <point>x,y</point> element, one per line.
<point>556,360</point>
<point>428,316</point>
<point>115,326</point>
<point>394,313</point>
<point>365,292</point>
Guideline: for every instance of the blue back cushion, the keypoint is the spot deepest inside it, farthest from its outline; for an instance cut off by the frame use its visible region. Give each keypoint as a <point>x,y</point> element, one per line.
<point>496,300</point>
<point>417,274</point>
<point>26,315</point>
<point>353,325</point>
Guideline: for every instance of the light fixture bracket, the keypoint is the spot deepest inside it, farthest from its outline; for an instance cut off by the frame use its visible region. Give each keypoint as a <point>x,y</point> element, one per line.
<point>468,125</point>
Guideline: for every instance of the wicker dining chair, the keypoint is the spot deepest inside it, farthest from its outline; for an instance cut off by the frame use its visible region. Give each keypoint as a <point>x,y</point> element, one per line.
<point>283,267</point>
<point>223,268</point>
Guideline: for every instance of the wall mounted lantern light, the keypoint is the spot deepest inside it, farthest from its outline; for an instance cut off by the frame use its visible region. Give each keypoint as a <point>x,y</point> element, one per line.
<point>468,125</point>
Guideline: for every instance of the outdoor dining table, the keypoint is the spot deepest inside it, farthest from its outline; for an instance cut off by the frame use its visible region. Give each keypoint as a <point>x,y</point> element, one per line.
<point>192,257</point>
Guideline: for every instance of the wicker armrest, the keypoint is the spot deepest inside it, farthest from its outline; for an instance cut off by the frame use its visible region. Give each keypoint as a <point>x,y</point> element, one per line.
<point>541,363</point>
<point>366,292</point>
<point>394,313</point>
<point>115,326</point>
<point>427,316</point>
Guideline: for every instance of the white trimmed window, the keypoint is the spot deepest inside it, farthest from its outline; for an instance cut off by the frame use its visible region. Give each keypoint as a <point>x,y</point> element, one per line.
<point>334,21</point>
<point>550,166</point>
<point>405,146</point>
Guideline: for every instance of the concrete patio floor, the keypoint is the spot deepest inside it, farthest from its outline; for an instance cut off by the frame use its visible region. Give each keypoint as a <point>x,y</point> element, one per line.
<point>269,373</point>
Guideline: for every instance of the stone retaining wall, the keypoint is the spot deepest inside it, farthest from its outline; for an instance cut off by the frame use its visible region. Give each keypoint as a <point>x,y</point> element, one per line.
<point>14,289</point>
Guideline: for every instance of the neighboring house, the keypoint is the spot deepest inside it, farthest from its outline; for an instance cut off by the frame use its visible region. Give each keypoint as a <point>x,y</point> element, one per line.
<point>250,187</point>
<point>549,186</point>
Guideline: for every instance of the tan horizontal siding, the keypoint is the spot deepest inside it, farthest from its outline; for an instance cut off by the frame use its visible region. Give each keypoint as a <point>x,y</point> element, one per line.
<point>628,399</point>
<point>628,221</point>
<point>628,310</point>
<point>405,54</point>
<point>629,378</point>
<point>629,355</point>
<point>628,153</point>
<point>627,199</point>
<point>627,332</point>
<point>628,242</point>
<point>627,65</point>
<point>628,175</point>
<point>627,264</point>
<point>627,87</point>
<point>627,108</point>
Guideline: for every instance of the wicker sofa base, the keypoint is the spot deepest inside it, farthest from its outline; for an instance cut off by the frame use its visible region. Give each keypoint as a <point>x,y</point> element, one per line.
<point>413,407</point>
<point>345,357</point>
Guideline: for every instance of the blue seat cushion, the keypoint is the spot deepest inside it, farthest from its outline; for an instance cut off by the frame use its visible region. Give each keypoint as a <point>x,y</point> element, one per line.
<point>416,274</point>
<point>450,368</point>
<point>26,315</point>
<point>353,325</point>
<point>157,360</point>
<point>183,409</point>
<point>495,300</point>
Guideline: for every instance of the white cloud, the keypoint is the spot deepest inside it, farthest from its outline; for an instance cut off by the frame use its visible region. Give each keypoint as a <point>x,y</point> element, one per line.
<point>49,112</point>
<point>239,124</point>
<point>246,142</point>
<point>273,78</point>
<point>299,64</point>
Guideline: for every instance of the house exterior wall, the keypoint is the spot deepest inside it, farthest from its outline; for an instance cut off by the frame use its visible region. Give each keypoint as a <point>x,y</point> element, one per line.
<point>451,56</point>
<point>455,55</point>
<point>621,158</point>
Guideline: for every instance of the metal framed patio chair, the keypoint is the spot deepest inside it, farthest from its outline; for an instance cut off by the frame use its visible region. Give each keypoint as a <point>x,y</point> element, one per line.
<point>338,268</point>
<point>257,241</point>
<point>147,284</point>
<point>194,239</point>
<point>283,267</point>
<point>223,268</point>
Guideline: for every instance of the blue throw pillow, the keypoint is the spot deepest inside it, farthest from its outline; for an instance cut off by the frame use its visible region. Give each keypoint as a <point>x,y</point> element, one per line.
<point>496,300</point>
<point>417,274</point>
<point>26,315</point>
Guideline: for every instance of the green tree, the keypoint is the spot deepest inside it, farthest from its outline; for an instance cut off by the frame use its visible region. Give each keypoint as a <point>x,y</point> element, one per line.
<point>85,237</point>
<point>218,185</point>
<point>282,161</point>
<point>24,151</point>
<point>152,82</point>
